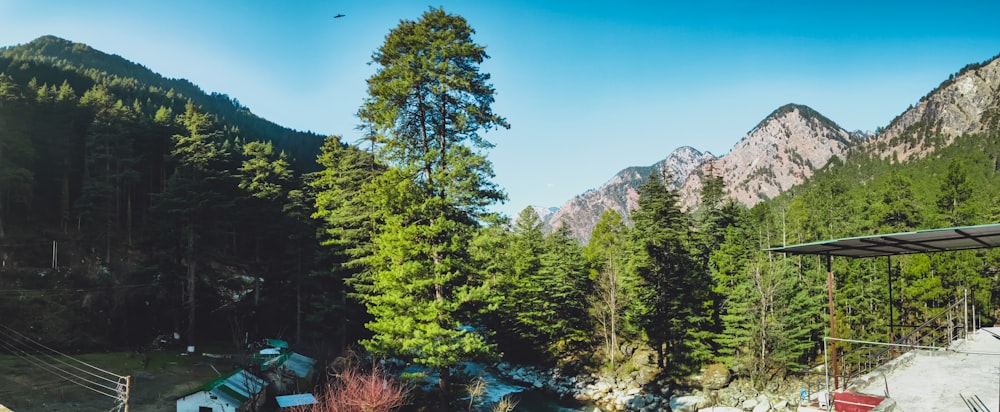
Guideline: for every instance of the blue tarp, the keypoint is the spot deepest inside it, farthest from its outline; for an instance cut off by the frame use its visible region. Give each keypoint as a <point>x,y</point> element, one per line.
<point>301,399</point>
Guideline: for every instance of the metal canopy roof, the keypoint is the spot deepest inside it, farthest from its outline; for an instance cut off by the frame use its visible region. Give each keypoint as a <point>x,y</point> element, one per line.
<point>922,241</point>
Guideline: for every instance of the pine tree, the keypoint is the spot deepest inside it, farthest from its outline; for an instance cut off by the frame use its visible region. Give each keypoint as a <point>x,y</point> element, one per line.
<point>191,200</point>
<point>956,192</point>
<point>426,104</point>
<point>672,296</point>
<point>110,163</point>
<point>16,151</point>
<point>346,230</point>
<point>898,210</point>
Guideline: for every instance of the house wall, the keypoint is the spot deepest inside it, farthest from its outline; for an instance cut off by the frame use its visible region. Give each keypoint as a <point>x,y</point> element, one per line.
<point>194,401</point>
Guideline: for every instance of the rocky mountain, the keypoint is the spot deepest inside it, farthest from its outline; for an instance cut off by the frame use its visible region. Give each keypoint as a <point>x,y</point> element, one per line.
<point>783,150</point>
<point>794,141</point>
<point>962,104</point>
<point>621,192</point>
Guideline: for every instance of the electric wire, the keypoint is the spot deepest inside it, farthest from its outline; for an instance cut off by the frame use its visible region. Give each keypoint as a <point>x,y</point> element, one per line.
<point>42,365</point>
<point>25,338</point>
<point>53,367</point>
<point>67,291</point>
<point>25,348</point>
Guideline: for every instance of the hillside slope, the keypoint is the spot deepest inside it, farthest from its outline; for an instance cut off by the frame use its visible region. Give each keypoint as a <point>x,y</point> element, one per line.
<point>621,192</point>
<point>783,150</point>
<point>954,108</point>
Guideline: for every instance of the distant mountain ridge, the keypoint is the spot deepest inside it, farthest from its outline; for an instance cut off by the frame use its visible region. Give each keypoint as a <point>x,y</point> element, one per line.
<point>958,106</point>
<point>621,193</point>
<point>50,59</point>
<point>783,150</point>
<point>795,141</point>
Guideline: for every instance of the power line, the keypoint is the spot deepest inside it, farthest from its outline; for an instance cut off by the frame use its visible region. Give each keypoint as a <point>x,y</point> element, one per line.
<point>59,364</point>
<point>66,371</point>
<point>13,292</point>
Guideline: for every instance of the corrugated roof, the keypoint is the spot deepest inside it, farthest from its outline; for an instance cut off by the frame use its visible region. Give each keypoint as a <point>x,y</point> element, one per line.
<point>922,241</point>
<point>300,399</point>
<point>300,365</point>
<point>235,387</point>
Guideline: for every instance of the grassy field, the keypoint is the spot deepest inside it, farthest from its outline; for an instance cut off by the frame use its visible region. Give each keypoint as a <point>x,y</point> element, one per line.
<point>156,381</point>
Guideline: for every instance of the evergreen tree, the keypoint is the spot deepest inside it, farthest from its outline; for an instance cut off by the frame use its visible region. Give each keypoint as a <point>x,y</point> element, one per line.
<point>264,174</point>
<point>16,151</point>
<point>897,210</point>
<point>346,230</point>
<point>110,162</point>
<point>427,103</point>
<point>953,202</point>
<point>191,200</point>
<point>670,300</point>
<point>556,309</point>
<point>507,259</point>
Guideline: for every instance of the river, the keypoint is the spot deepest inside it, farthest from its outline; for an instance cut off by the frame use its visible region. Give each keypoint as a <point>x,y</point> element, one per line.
<point>535,401</point>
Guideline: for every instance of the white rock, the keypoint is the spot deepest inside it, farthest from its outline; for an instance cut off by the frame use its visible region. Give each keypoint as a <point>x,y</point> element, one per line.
<point>685,403</point>
<point>763,406</point>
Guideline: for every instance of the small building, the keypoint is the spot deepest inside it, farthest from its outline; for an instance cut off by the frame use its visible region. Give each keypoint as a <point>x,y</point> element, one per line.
<point>289,372</point>
<point>237,391</point>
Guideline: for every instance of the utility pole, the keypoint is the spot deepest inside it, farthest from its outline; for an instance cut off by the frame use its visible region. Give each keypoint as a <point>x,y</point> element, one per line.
<point>833,335</point>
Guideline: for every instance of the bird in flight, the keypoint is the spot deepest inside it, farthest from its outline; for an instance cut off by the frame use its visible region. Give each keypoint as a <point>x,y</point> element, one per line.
<point>338,16</point>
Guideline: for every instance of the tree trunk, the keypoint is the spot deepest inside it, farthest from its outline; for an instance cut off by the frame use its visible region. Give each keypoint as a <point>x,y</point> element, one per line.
<point>191,286</point>
<point>661,353</point>
<point>444,384</point>
<point>298,296</point>
<point>1,212</point>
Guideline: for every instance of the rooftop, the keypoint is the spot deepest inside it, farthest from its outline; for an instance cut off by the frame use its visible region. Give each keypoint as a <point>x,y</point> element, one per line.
<point>921,241</point>
<point>937,380</point>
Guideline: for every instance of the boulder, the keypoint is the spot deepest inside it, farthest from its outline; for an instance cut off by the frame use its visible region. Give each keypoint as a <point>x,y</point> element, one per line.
<point>762,407</point>
<point>685,403</point>
<point>763,404</point>
<point>715,376</point>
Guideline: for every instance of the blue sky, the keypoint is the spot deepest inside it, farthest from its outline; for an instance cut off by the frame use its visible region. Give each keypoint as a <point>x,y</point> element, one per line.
<point>588,87</point>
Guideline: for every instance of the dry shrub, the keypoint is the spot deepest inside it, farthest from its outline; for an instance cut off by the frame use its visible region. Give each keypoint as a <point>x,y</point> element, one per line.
<point>352,389</point>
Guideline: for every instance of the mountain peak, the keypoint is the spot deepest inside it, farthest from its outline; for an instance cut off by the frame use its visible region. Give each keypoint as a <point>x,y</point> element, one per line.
<point>960,105</point>
<point>800,110</point>
<point>784,149</point>
<point>621,193</point>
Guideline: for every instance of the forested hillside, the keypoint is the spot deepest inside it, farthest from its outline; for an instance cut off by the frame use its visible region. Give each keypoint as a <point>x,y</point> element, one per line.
<point>118,187</point>
<point>132,205</point>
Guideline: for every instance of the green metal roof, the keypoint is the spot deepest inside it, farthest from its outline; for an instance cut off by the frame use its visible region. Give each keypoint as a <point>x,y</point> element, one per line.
<point>903,243</point>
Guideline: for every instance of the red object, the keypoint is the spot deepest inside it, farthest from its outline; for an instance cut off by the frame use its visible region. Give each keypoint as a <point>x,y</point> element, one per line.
<point>854,402</point>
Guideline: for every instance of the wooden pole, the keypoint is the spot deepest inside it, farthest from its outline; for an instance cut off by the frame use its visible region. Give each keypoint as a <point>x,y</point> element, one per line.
<point>833,334</point>
<point>892,334</point>
<point>128,389</point>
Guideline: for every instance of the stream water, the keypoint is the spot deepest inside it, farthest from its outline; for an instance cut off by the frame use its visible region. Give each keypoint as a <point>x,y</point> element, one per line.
<point>534,401</point>
<point>529,399</point>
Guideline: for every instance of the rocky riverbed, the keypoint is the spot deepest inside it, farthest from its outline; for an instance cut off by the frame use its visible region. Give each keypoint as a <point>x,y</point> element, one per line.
<point>637,391</point>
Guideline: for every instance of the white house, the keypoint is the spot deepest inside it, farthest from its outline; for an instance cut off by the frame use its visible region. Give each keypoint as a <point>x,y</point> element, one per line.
<point>236,391</point>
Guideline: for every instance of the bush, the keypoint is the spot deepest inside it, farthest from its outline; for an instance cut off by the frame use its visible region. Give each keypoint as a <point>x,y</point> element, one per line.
<point>352,389</point>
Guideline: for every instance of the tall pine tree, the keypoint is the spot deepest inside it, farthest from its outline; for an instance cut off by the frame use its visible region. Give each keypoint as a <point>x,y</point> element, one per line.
<point>670,302</point>
<point>427,103</point>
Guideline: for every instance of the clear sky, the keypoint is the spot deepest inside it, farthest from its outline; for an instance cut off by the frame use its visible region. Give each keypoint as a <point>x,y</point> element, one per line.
<point>588,87</point>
